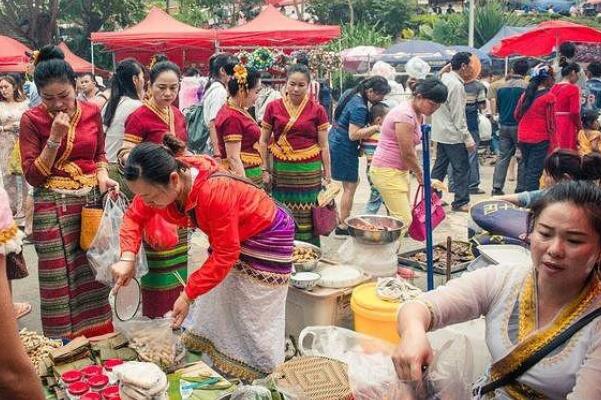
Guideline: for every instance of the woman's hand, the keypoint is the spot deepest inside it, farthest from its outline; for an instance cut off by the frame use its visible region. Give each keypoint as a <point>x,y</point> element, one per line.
<point>123,272</point>
<point>419,175</point>
<point>107,184</point>
<point>412,355</point>
<point>181,307</point>
<point>266,176</point>
<point>60,127</point>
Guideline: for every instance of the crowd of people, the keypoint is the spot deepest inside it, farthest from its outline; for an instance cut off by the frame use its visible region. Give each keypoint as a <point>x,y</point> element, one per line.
<point>268,153</point>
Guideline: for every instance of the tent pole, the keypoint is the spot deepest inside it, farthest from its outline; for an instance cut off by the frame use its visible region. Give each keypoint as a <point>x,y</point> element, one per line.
<point>506,66</point>
<point>92,55</point>
<point>428,195</point>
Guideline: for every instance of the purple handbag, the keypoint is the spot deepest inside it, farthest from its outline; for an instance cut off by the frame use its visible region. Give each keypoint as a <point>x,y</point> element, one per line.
<point>325,219</point>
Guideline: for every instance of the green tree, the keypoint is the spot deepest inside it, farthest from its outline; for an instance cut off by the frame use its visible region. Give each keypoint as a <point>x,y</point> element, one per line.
<point>391,15</point>
<point>32,22</point>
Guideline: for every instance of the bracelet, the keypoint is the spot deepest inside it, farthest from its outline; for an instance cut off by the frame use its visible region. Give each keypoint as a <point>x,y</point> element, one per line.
<point>124,259</point>
<point>52,144</point>
<point>265,170</point>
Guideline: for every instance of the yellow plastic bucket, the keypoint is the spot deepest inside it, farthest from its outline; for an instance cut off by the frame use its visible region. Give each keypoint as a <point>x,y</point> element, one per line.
<point>373,316</point>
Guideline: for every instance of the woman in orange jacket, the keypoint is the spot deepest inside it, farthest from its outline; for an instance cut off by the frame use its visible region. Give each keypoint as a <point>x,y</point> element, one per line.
<point>240,291</point>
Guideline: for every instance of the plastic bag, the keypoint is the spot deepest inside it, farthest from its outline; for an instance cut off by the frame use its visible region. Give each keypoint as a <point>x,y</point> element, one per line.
<point>154,341</point>
<point>141,381</point>
<point>160,234</point>
<point>372,374</point>
<point>105,249</point>
<point>373,260</point>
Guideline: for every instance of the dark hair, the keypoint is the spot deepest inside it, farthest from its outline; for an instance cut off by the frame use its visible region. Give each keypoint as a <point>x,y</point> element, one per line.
<point>595,69</point>
<point>157,58</point>
<point>567,50</point>
<point>163,66</point>
<point>18,94</point>
<point>564,163</point>
<point>378,110</point>
<point>91,75</point>
<point>299,69</point>
<point>153,162</point>
<point>191,71</point>
<point>51,67</point>
<point>568,68</point>
<point>582,194</point>
<point>530,92</point>
<point>252,80</point>
<point>122,84</point>
<point>431,89</point>
<point>377,83</point>
<point>218,61</point>
<point>588,118</point>
<point>302,58</point>
<point>520,67</point>
<point>459,59</point>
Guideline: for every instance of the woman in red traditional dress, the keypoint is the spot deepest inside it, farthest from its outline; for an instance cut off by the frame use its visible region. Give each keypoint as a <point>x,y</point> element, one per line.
<point>63,158</point>
<point>237,131</point>
<point>300,150</point>
<point>567,109</point>
<point>150,123</point>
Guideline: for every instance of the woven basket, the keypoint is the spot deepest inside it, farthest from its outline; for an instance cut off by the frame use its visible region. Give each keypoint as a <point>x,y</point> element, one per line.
<point>317,378</point>
<point>90,222</point>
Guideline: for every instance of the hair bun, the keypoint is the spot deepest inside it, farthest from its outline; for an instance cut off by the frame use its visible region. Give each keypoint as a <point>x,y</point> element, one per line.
<point>49,52</point>
<point>175,146</point>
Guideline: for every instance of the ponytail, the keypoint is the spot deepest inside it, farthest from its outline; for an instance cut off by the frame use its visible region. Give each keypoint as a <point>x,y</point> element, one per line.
<point>376,83</point>
<point>154,163</point>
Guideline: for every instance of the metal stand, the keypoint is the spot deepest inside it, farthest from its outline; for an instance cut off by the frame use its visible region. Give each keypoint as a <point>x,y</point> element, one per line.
<point>427,196</point>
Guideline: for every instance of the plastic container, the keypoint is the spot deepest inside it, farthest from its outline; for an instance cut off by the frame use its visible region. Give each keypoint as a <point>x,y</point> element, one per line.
<point>98,382</point>
<point>378,260</point>
<point>373,316</point>
<point>71,376</point>
<point>76,390</point>
<point>91,370</point>
<point>108,368</point>
<point>111,393</point>
<point>320,306</point>
<point>91,396</point>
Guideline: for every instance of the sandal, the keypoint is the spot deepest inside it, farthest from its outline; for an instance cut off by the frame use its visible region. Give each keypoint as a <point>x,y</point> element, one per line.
<point>21,309</point>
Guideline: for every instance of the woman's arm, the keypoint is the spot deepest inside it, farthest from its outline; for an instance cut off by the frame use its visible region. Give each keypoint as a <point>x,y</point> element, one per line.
<point>18,380</point>
<point>214,139</point>
<point>587,378</point>
<point>404,135</point>
<point>232,149</point>
<point>322,137</point>
<point>357,133</point>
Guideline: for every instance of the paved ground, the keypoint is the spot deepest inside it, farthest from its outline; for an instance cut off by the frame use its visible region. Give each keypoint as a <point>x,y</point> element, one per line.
<point>455,226</point>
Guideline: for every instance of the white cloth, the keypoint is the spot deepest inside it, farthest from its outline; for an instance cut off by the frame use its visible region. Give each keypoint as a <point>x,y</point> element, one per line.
<point>244,319</point>
<point>265,96</point>
<point>113,141</point>
<point>570,373</point>
<point>449,125</point>
<point>213,100</point>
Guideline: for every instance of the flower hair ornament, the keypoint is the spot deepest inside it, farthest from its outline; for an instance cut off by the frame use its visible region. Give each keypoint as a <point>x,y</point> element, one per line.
<point>241,75</point>
<point>34,57</point>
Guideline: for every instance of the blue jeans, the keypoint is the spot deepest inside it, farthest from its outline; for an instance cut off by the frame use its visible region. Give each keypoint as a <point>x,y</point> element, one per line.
<point>508,139</point>
<point>375,199</point>
<point>457,156</point>
<point>531,165</point>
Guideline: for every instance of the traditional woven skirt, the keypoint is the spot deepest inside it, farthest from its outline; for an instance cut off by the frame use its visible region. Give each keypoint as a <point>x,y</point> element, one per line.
<point>72,302</point>
<point>161,286</point>
<point>240,324</point>
<point>296,185</point>
<point>255,174</point>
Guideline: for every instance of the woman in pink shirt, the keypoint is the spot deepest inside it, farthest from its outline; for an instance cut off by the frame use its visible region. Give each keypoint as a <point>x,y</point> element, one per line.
<point>395,156</point>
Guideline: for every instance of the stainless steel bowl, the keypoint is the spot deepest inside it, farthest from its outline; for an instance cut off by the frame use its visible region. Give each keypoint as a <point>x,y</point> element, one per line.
<point>393,228</point>
<point>307,266</point>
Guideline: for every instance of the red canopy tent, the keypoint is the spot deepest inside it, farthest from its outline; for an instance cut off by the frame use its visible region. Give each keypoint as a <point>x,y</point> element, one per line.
<point>159,33</point>
<point>78,64</point>
<point>272,29</point>
<point>12,55</point>
<point>541,40</point>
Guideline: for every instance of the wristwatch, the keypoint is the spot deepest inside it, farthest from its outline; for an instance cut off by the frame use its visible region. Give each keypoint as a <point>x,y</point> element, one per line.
<point>52,144</point>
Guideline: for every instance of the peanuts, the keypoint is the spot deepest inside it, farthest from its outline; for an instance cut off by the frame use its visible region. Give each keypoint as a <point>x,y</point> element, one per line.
<point>304,254</point>
<point>37,346</point>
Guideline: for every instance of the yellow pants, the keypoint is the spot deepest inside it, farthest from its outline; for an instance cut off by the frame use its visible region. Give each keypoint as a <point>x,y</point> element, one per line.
<point>393,185</point>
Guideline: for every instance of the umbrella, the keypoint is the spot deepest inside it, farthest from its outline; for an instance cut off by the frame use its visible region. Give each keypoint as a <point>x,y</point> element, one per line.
<point>482,56</point>
<point>541,40</point>
<point>433,53</point>
<point>357,59</point>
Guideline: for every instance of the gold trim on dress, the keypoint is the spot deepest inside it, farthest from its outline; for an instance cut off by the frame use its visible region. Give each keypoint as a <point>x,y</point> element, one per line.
<point>232,138</point>
<point>224,363</point>
<point>519,391</point>
<point>268,278</point>
<point>9,233</point>
<point>39,164</point>
<point>102,165</point>
<point>539,338</point>
<point>70,137</point>
<point>165,115</point>
<point>132,138</point>
<point>60,182</point>
<point>250,159</point>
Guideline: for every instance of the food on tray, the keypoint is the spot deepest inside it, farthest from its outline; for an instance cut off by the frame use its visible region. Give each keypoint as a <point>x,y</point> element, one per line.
<point>304,254</point>
<point>38,347</point>
<point>158,350</point>
<point>460,252</point>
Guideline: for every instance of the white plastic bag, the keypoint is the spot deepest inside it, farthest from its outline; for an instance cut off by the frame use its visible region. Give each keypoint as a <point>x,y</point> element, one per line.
<point>375,260</point>
<point>105,249</point>
<point>372,374</point>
